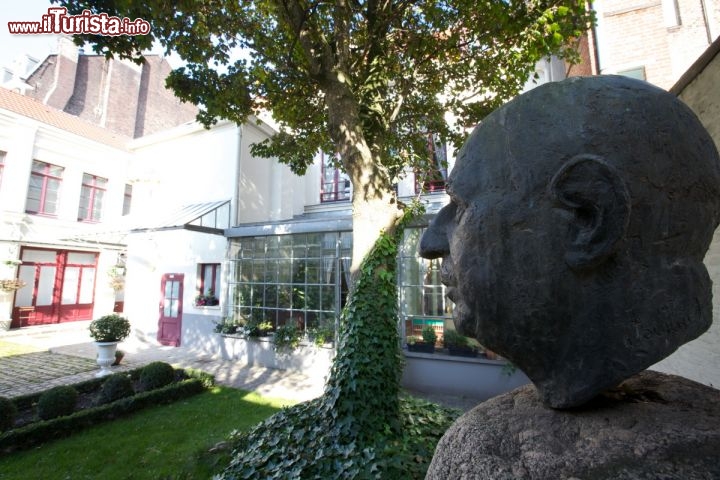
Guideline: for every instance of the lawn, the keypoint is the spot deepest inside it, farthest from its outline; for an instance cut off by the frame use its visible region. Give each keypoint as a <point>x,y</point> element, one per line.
<point>9,349</point>
<point>165,442</point>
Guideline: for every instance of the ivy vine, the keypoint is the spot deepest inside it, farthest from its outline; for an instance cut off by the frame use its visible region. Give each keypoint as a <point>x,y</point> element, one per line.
<point>361,427</point>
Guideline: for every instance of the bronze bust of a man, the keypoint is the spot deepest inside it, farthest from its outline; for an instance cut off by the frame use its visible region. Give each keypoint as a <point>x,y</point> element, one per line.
<point>573,244</point>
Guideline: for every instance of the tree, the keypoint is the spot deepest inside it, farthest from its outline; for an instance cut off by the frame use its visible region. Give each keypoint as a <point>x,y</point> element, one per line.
<point>367,81</point>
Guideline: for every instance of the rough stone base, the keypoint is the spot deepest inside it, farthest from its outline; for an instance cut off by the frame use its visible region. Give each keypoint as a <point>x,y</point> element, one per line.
<point>653,426</point>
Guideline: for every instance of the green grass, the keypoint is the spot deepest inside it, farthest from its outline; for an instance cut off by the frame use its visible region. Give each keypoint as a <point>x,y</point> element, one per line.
<point>165,442</point>
<point>9,349</point>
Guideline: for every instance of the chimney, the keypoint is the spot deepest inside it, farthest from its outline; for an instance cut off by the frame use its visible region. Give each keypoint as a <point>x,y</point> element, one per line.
<point>64,76</point>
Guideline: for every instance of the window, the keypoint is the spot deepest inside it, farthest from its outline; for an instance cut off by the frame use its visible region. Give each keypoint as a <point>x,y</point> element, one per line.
<point>2,165</point>
<point>433,179</point>
<point>127,199</point>
<point>44,188</point>
<point>671,13</point>
<point>636,73</point>
<point>421,294</point>
<point>301,278</point>
<point>335,185</point>
<point>208,284</point>
<point>91,198</point>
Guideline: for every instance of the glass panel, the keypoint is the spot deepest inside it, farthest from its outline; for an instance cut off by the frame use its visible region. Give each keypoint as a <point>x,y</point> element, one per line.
<point>313,271</point>
<point>168,289</point>
<point>284,271</point>
<point>299,267</point>
<point>39,256</point>
<point>271,295</point>
<point>167,308</point>
<point>286,246</point>
<point>312,298</point>
<point>328,270</point>
<point>175,289</point>
<point>258,274</point>
<point>54,170</point>
<point>174,308</point>
<point>299,247</point>
<point>284,297</point>
<point>272,244</point>
<point>314,245</point>
<point>271,273</point>
<point>70,286</point>
<point>97,205</point>
<point>23,297</point>
<point>45,286</point>
<point>51,196</point>
<point>87,283</point>
<point>34,194</point>
<point>328,298</point>
<point>81,258</point>
<point>87,179</point>
<point>38,167</point>
<point>223,216</point>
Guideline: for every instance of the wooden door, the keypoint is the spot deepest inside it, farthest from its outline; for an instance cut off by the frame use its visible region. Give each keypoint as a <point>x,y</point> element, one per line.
<point>170,323</point>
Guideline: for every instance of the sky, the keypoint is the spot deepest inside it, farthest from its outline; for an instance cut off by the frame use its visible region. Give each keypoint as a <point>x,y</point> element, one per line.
<point>12,46</point>
<point>38,46</point>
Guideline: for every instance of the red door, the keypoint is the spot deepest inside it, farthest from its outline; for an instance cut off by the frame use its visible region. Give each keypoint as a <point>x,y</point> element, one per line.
<point>170,323</point>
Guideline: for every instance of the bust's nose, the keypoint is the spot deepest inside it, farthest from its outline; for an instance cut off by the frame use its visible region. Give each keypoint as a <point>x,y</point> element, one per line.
<point>434,242</point>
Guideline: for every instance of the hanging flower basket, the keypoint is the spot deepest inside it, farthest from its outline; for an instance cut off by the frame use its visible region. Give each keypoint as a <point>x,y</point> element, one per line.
<point>11,285</point>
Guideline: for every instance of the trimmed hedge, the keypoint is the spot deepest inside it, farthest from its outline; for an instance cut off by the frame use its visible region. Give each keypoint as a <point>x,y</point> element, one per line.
<point>116,386</point>
<point>8,411</point>
<point>42,431</point>
<point>57,402</point>
<point>156,375</point>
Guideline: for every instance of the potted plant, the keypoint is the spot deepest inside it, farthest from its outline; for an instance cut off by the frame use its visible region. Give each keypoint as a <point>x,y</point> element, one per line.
<point>424,345</point>
<point>207,300</point>
<point>459,345</point>
<point>107,331</point>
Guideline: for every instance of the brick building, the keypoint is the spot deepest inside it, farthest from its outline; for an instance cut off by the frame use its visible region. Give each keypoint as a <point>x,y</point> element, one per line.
<point>654,40</point>
<point>119,95</point>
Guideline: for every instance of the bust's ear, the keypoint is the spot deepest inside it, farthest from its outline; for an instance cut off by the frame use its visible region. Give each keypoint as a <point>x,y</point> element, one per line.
<point>596,195</point>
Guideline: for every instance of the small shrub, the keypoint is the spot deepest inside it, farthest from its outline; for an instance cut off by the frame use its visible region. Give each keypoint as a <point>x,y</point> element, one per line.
<point>110,328</point>
<point>451,338</point>
<point>115,387</point>
<point>429,335</point>
<point>156,375</point>
<point>8,412</point>
<point>287,337</point>
<point>57,402</point>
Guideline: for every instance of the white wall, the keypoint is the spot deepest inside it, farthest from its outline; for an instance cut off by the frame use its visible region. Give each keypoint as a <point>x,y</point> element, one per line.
<point>185,165</point>
<point>152,254</point>
<point>25,140</point>
<point>699,360</point>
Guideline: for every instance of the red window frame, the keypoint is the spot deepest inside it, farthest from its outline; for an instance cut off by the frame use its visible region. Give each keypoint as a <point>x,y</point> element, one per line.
<point>434,179</point>
<point>2,164</point>
<point>208,279</point>
<point>43,173</point>
<point>127,199</point>
<point>334,186</point>
<point>91,198</point>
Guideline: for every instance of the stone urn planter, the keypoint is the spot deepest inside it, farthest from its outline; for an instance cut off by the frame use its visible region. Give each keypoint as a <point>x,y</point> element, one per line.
<point>106,357</point>
<point>108,331</point>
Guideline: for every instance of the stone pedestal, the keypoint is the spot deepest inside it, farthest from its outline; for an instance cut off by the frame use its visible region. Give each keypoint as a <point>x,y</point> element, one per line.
<point>653,426</point>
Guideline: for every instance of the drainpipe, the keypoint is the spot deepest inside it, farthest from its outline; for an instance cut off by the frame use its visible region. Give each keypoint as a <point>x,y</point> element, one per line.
<point>708,30</point>
<point>234,211</point>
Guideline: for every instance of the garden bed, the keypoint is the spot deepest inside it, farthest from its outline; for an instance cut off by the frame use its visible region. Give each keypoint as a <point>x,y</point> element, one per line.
<point>29,430</point>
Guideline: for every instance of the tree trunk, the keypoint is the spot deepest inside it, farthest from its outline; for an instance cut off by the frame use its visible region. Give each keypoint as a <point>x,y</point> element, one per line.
<point>374,201</point>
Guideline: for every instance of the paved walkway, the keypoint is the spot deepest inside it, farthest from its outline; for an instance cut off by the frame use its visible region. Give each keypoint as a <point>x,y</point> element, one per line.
<point>62,354</point>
